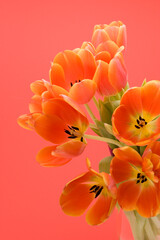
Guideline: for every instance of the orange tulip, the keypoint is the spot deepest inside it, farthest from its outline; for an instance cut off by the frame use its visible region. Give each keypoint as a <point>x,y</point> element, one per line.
<point>136,121</point>
<point>138,178</point>
<point>43,90</point>
<point>115,31</point>
<point>90,187</point>
<point>61,122</point>
<point>74,72</point>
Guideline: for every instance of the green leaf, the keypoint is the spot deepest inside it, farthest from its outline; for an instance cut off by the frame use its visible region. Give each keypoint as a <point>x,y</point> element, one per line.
<point>104,164</point>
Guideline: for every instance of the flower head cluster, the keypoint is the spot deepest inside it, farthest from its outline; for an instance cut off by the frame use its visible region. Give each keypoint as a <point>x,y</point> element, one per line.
<point>129,123</point>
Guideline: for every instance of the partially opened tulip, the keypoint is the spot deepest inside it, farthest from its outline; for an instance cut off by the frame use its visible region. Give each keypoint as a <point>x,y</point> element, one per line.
<point>74,72</point>
<point>90,187</point>
<point>61,122</point>
<point>139,179</point>
<point>115,31</point>
<point>136,121</point>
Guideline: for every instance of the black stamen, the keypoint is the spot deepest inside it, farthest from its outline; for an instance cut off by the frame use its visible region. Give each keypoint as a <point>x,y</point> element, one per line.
<point>72,136</point>
<point>69,127</point>
<point>140,118</point>
<point>138,175</point>
<point>93,187</point>
<point>137,126</point>
<point>145,123</point>
<point>81,139</point>
<point>71,84</point>
<point>75,128</point>
<point>137,121</point>
<point>98,192</point>
<point>66,131</point>
<point>138,181</point>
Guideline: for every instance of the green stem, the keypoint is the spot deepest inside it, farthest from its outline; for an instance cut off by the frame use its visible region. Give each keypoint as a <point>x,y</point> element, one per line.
<point>95,101</point>
<point>103,139</point>
<point>90,112</point>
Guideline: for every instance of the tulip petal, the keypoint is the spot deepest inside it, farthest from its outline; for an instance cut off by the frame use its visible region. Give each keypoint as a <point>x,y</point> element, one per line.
<point>83,91</point>
<point>117,73</point>
<point>101,210</point>
<point>38,87</point>
<point>51,128</point>
<point>70,149</point>
<point>128,194</point>
<point>47,159</point>
<point>108,46</point>
<point>27,120</point>
<point>122,36</point>
<point>147,204</point>
<point>99,36</point>
<point>129,155</point>
<point>57,76</point>
<point>112,31</point>
<point>89,63</point>
<point>71,64</point>
<point>35,104</point>
<point>104,56</point>
<point>101,78</point>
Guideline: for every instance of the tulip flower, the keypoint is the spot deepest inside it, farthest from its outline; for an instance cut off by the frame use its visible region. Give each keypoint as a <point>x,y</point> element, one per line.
<point>115,31</point>
<point>136,121</point>
<point>74,72</point>
<point>90,187</point>
<point>138,178</point>
<point>61,122</point>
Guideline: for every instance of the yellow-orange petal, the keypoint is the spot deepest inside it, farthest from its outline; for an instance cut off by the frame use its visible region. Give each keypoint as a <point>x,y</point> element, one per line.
<point>151,90</point>
<point>35,104</point>
<point>117,72</point>
<point>46,158</point>
<point>101,210</point>
<point>112,31</point>
<point>57,76</point>
<point>128,194</point>
<point>108,46</point>
<point>89,63</point>
<point>71,64</point>
<point>129,155</point>
<point>69,149</point>
<point>101,78</point>
<point>132,101</point>
<point>51,128</point>
<point>155,147</point>
<point>99,36</point>
<point>88,46</point>
<point>83,91</point>
<point>148,204</point>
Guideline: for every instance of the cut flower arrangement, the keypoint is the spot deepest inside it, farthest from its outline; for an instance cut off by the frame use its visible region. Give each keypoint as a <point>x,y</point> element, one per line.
<point>128,122</point>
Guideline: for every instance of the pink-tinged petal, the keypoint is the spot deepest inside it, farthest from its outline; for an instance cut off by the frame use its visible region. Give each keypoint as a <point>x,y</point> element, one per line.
<point>151,90</point>
<point>129,155</point>
<point>70,149</point>
<point>101,78</point>
<point>89,63</point>
<point>71,64</point>
<point>27,120</point>
<point>122,36</point>
<point>104,56</point>
<point>57,76</point>
<point>132,101</point>
<point>108,46</point>
<point>117,73</point>
<point>51,128</point>
<point>39,86</point>
<point>66,112</point>
<point>121,170</point>
<point>88,46</point>
<point>128,194</point>
<point>35,104</point>
<point>112,31</point>
<point>148,204</point>
<point>57,91</point>
<point>155,147</point>
<point>99,36</point>
<point>46,158</point>
<point>83,91</point>
<point>101,210</point>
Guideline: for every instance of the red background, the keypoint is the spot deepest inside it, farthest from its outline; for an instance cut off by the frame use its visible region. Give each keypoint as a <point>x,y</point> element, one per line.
<point>31,34</point>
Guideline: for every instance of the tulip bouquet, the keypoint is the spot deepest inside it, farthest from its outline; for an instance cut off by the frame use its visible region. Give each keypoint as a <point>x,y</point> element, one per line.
<point>128,122</point>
